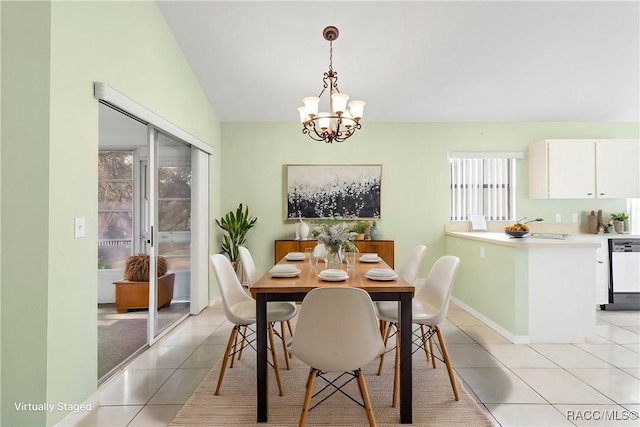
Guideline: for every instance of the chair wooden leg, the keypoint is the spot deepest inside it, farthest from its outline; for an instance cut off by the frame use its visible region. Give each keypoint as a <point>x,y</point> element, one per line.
<point>311,381</point>
<point>365,398</point>
<point>424,344</point>
<point>433,359</point>
<point>275,359</point>
<point>225,358</point>
<point>290,328</point>
<point>445,355</point>
<point>383,327</point>
<point>243,343</point>
<point>309,377</point>
<point>284,346</point>
<point>396,372</point>
<point>385,334</point>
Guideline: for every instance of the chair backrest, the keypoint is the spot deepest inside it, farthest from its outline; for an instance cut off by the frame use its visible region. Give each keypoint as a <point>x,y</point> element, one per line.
<point>230,288</point>
<point>249,267</point>
<point>409,271</point>
<point>320,251</point>
<point>436,291</point>
<point>337,330</point>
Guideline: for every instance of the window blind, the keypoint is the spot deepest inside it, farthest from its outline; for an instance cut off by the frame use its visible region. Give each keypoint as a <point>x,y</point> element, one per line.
<point>482,186</point>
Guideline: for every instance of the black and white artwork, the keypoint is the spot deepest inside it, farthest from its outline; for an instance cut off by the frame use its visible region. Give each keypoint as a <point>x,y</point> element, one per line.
<point>333,191</point>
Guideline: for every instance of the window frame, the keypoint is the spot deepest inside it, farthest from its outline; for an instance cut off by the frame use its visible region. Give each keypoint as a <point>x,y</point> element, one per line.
<point>486,187</point>
<point>131,181</point>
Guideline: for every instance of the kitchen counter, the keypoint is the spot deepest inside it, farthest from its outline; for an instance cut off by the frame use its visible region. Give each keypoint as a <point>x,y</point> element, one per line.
<point>530,290</point>
<point>500,238</point>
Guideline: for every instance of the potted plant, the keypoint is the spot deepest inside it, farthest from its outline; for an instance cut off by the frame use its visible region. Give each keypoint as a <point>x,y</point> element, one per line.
<point>235,227</point>
<point>618,221</point>
<point>132,291</point>
<point>337,239</point>
<point>359,229</point>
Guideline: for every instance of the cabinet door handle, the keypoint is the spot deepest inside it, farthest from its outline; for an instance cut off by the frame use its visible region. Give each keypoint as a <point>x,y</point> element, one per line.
<point>589,194</point>
<point>602,194</point>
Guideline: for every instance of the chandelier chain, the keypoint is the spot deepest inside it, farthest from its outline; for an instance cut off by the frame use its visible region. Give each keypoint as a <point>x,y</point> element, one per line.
<point>330,56</point>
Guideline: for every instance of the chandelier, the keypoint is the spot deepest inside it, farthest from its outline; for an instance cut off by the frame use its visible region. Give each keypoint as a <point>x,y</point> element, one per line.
<point>342,119</point>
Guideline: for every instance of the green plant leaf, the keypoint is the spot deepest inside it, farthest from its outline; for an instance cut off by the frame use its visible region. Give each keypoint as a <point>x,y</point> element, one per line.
<point>235,225</point>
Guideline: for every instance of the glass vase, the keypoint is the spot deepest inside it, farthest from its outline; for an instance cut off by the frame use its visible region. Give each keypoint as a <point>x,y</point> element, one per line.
<point>334,258</point>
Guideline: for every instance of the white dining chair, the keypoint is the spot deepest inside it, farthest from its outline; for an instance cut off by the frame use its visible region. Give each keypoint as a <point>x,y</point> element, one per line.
<point>251,274</point>
<point>409,270</point>
<point>320,251</point>
<point>240,310</point>
<point>409,273</point>
<point>430,306</point>
<point>336,331</point>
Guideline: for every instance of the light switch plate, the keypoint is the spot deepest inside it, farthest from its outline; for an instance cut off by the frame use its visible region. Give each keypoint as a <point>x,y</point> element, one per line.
<point>79,228</point>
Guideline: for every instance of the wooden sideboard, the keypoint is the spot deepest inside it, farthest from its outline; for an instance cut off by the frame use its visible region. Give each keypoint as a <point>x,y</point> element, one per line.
<point>384,248</point>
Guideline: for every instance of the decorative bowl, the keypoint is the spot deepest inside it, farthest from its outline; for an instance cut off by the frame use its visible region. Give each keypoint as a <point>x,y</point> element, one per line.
<point>516,233</point>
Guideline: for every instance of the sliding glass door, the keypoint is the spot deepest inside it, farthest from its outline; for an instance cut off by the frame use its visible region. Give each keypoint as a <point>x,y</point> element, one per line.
<point>122,324</point>
<point>153,193</point>
<point>173,227</point>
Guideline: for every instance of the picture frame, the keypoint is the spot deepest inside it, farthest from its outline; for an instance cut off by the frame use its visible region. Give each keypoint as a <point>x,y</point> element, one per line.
<point>333,191</point>
<point>478,222</point>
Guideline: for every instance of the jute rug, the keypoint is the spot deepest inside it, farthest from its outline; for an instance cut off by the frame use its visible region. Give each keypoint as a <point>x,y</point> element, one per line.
<point>433,401</point>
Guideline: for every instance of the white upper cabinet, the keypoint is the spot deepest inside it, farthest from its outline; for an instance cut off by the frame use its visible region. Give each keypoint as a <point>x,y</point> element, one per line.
<point>617,169</point>
<point>584,169</point>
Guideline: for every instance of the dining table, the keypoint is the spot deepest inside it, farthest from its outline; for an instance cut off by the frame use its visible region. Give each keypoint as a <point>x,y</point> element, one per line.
<point>294,288</point>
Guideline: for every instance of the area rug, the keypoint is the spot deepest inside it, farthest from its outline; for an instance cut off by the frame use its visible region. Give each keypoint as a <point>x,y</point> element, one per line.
<point>433,401</point>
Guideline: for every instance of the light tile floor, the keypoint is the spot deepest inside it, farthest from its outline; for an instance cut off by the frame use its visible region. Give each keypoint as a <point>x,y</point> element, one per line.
<point>592,384</point>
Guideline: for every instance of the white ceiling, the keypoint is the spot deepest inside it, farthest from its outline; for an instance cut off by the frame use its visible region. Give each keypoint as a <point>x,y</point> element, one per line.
<point>417,60</point>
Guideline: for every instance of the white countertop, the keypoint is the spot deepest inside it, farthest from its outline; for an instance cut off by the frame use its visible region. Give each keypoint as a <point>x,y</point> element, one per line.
<point>501,238</point>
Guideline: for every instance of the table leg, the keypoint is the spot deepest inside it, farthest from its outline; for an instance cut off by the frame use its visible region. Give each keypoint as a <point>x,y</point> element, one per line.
<point>261,362</point>
<point>406,378</point>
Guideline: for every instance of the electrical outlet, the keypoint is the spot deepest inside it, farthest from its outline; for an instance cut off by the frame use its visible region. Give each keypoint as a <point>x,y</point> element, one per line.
<point>574,218</point>
<point>558,217</point>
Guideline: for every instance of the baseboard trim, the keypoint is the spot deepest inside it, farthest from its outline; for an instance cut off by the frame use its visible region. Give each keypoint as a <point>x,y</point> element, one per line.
<point>515,339</point>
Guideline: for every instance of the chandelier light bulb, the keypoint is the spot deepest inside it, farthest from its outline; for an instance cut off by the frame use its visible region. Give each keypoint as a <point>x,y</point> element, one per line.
<point>347,119</point>
<point>339,102</point>
<point>304,116</point>
<point>324,120</point>
<point>356,108</point>
<point>311,105</point>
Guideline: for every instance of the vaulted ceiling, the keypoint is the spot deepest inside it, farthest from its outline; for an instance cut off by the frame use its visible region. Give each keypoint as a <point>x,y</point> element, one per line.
<point>417,61</point>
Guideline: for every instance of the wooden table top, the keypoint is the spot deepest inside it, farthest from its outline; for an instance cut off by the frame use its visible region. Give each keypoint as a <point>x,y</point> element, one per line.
<point>308,280</point>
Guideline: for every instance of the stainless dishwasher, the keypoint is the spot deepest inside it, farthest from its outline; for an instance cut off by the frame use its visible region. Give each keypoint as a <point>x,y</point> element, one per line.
<point>624,277</point>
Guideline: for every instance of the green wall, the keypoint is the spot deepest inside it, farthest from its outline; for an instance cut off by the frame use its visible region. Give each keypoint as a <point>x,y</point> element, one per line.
<point>415,182</point>
<point>505,297</point>
<point>56,50</point>
<point>25,195</point>
<point>0,210</point>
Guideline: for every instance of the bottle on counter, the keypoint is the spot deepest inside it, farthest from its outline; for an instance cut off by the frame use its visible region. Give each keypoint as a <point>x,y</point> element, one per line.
<point>592,223</point>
